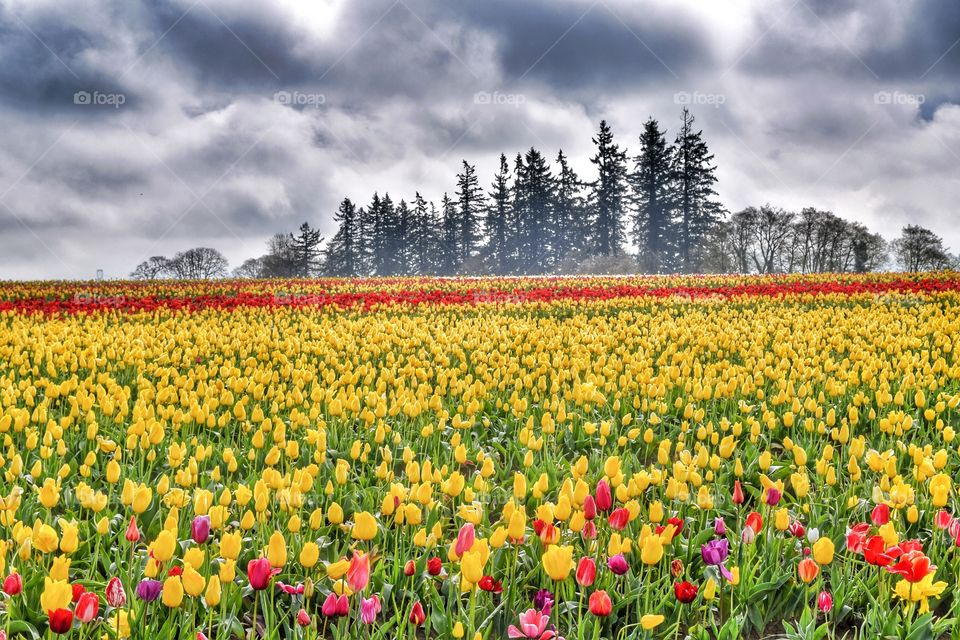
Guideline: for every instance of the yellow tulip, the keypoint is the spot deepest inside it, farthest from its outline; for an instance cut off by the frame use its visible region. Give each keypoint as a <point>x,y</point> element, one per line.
<point>277,550</point>
<point>164,546</point>
<point>823,551</point>
<point>364,526</point>
<point>57,594</point>
<point>172,592</point>
<point>309,555</point>
<point>558,562</point>
<point>651,621</point>
<point>193,583</point>
<point>212,596</point>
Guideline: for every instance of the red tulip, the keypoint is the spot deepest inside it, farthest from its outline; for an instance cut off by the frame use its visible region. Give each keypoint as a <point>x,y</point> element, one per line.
<point>78,591</point>
<point>133,533</point>
<point>410,568</point>
<point>857,537</point>
<point>87,607</point>
<point>875,552</point>
<point>589,530</point>
<point>60,620</point>
<point>13,584</point>
<point>676,567</point>
<point>619,518</point>
<point>796,529</point>
<point>116,596</point>
<point>586,571</point>
<point>417,615</point>
<point>434,566</point>
<point>755,522</point>
<point>880,515</point>
<point>259,573</point>
<point>604,498</point>
<point>589,508</point>
<point>488,584</point>
<point>942,519</point>
<point>684,591</point>
<point>913,566</point>
<point>738,498</point>
<point>600,604</point>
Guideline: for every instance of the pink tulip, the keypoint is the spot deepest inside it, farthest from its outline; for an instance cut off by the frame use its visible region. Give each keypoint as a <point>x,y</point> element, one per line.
<point>618,564</point>
<point>358,574</point>
<point>334,606</point>
<point>942,519</point>
<point>259,573</point>
<point>589,508</point>
<point>533,624</point>
<point>200,529</point>
<point>880,515</point>
<point>465,539</point>
<point>303,618</point>
<point>825,601</point>
<point>369,608</point>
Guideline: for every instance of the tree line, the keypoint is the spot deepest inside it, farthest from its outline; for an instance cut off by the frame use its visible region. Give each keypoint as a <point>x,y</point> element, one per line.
<point>538,217</point>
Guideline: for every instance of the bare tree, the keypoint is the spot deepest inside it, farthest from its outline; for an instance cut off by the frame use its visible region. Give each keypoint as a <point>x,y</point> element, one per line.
<point>251,268</point>
<point>742,230</point>
<point>771,234</point>
<point>151,269</point>
<point>201,263</point>
<point>919,249</point>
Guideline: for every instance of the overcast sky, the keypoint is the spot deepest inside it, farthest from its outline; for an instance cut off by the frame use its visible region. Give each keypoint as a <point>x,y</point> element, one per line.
<point>130,129</point>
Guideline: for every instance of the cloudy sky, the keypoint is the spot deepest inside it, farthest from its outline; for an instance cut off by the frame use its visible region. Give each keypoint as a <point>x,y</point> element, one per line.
<point>137,128</point>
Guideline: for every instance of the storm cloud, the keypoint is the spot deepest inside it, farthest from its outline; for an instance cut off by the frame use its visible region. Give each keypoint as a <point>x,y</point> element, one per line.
<point>130,129</point>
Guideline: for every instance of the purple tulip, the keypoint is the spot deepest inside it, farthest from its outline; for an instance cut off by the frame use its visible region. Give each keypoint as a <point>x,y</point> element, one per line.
<point>618,564</point>
<point>149,590</point>
<point>200,529</point>
<point>543,601</point>
<point>714,553</point>
<point>773,496</point>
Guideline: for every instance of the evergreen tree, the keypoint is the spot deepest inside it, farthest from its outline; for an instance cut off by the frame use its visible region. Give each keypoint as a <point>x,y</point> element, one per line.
<point>513,258</point>
<point>470,202</point>
<point>570,225</point>
<point>609,193</point>
<point>344,255</point>
<point>536,217</point>
<point>402,238</point>
<point>306,252</point>
<point>387,263</point>
<point>651,185</point>
<point>693,176</point>
<point>421,238</point>
<point>371,236</point>
<point>449,252</point>
<point>498,220</point>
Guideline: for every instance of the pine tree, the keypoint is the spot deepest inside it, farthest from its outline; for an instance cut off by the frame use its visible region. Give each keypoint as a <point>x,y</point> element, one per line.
<point>402,238</point>
<point>651,185</point>
<point>470,202</point>
<point>570,227</point>
<point>386,262</point>
<point>513,262</point>
<point>536,222</point>
<point>306,252</point>
<point>694,176</point>
<point>609,193</point>
<point>343,255</point>
<point>449,253</point>
<point>421,238</point>
<point>497,220</point>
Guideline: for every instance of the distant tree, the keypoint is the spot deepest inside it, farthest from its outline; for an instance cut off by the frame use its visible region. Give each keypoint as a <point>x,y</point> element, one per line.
<point>151,268</point>
<point>251,268</point>
<point>279,261</point>
<point>422,243</point>
<point>869,250</point>
<point>387,260</point>
<point>718,249</point>
<point>741,231</point>
<point>404,220</point>
<point>651,186</point>
<point>449,253</point>
<point>570,227</point>
<point>497,219</point>
<point>202,263</point>
<point>469,216</point>
<point>772,233</point>
<point>609,193</point>
<point>343,254</point>
<point>919,249</point>
<point>514,259</point>
<point>535,218</point>
<point>694,176</point>
<point>306,251</point>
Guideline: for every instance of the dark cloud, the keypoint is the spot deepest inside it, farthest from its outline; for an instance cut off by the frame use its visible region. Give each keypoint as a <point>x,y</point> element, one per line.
<point>388,100</point>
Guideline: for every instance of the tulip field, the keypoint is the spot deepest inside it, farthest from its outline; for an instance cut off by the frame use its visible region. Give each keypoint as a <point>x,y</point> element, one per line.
<point>703,457</point>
